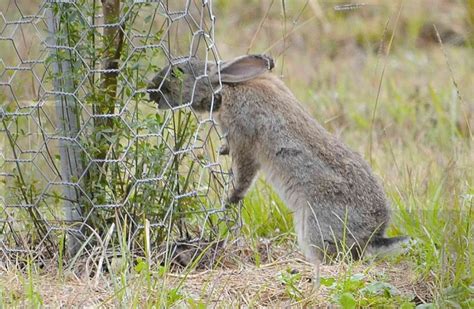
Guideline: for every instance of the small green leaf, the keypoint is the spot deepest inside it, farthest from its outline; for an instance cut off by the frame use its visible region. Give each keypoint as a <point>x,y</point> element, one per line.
<point>407,305</point>
<point>174,295</point>
<point>380,288</point>
<point>141,265</point>
<point>357,277</point>
<point>327,281</point>
<point>347,301</point>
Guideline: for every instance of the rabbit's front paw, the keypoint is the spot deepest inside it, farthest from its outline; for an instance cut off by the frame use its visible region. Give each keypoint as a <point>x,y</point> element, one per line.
<point>234,198</point>
<point>224,150</point>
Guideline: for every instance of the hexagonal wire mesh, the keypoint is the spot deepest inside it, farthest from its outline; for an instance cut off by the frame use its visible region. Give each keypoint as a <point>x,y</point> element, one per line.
<point>85,159</point>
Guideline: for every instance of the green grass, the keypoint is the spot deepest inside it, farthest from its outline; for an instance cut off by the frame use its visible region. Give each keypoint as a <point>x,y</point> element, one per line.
<point>422,132</point>
<point>421,149</point>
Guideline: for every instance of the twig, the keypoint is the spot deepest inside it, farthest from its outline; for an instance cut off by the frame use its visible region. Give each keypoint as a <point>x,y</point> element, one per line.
<point>379,89</point>
<point>296,28</point>
<point>260,25</point>
<point>453,80</point>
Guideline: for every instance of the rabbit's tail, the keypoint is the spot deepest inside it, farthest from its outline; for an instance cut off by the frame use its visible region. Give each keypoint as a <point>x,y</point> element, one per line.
<point>387,246</point>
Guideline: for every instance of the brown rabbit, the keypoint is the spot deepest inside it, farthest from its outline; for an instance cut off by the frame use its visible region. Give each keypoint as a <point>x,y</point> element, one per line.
<point>336,200</point>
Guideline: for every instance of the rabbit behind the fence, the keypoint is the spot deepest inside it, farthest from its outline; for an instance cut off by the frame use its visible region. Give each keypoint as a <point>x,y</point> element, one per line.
<point>336,201</point>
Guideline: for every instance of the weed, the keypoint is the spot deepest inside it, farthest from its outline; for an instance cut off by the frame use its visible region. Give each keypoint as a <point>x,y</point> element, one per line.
<point>354,290</point>
<point>290,279</point>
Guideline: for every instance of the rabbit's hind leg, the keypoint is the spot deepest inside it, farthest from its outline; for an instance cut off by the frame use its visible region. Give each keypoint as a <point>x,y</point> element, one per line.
<point>311,249</point>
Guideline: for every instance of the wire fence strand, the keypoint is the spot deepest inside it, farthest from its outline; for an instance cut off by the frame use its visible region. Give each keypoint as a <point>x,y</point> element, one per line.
<point>81,147</point>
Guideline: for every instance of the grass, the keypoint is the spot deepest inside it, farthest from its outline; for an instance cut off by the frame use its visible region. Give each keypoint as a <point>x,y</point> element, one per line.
<point>421,148</point>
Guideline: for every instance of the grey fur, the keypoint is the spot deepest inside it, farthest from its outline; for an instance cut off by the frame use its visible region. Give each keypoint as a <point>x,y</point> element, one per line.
<point>336,200</point>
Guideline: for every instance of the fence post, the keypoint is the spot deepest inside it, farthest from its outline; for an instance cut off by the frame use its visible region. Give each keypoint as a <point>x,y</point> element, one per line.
<point>67,113</point>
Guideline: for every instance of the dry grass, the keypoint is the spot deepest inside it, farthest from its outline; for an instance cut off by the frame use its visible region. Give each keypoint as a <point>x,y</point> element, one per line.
<point>260,286</point>
<point>237,284</point>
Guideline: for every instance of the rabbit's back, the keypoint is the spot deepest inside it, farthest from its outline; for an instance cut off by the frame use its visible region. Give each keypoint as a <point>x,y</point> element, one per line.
<point>307,165</point>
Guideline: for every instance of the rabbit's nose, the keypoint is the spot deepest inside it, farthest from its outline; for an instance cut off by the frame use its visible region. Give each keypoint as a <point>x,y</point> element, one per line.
<point>153,91</point>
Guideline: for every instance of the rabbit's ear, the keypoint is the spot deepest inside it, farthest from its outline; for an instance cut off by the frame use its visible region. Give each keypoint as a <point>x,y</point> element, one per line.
<point>243,68</point>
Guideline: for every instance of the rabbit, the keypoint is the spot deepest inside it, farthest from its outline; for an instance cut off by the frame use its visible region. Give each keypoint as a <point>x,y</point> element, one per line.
<point>335,199</point>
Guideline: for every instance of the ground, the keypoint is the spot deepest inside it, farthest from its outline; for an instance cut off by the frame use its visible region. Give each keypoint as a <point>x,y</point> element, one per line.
<point>286,281</point>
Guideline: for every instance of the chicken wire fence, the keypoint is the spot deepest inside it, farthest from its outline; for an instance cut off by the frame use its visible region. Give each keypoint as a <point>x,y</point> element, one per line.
<point>86,161</point>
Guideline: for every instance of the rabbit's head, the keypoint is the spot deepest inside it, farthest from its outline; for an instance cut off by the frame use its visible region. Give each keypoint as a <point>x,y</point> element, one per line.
<point>195,82</point>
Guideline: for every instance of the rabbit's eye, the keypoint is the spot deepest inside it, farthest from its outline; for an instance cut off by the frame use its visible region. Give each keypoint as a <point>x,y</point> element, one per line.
<point>177,72</point>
